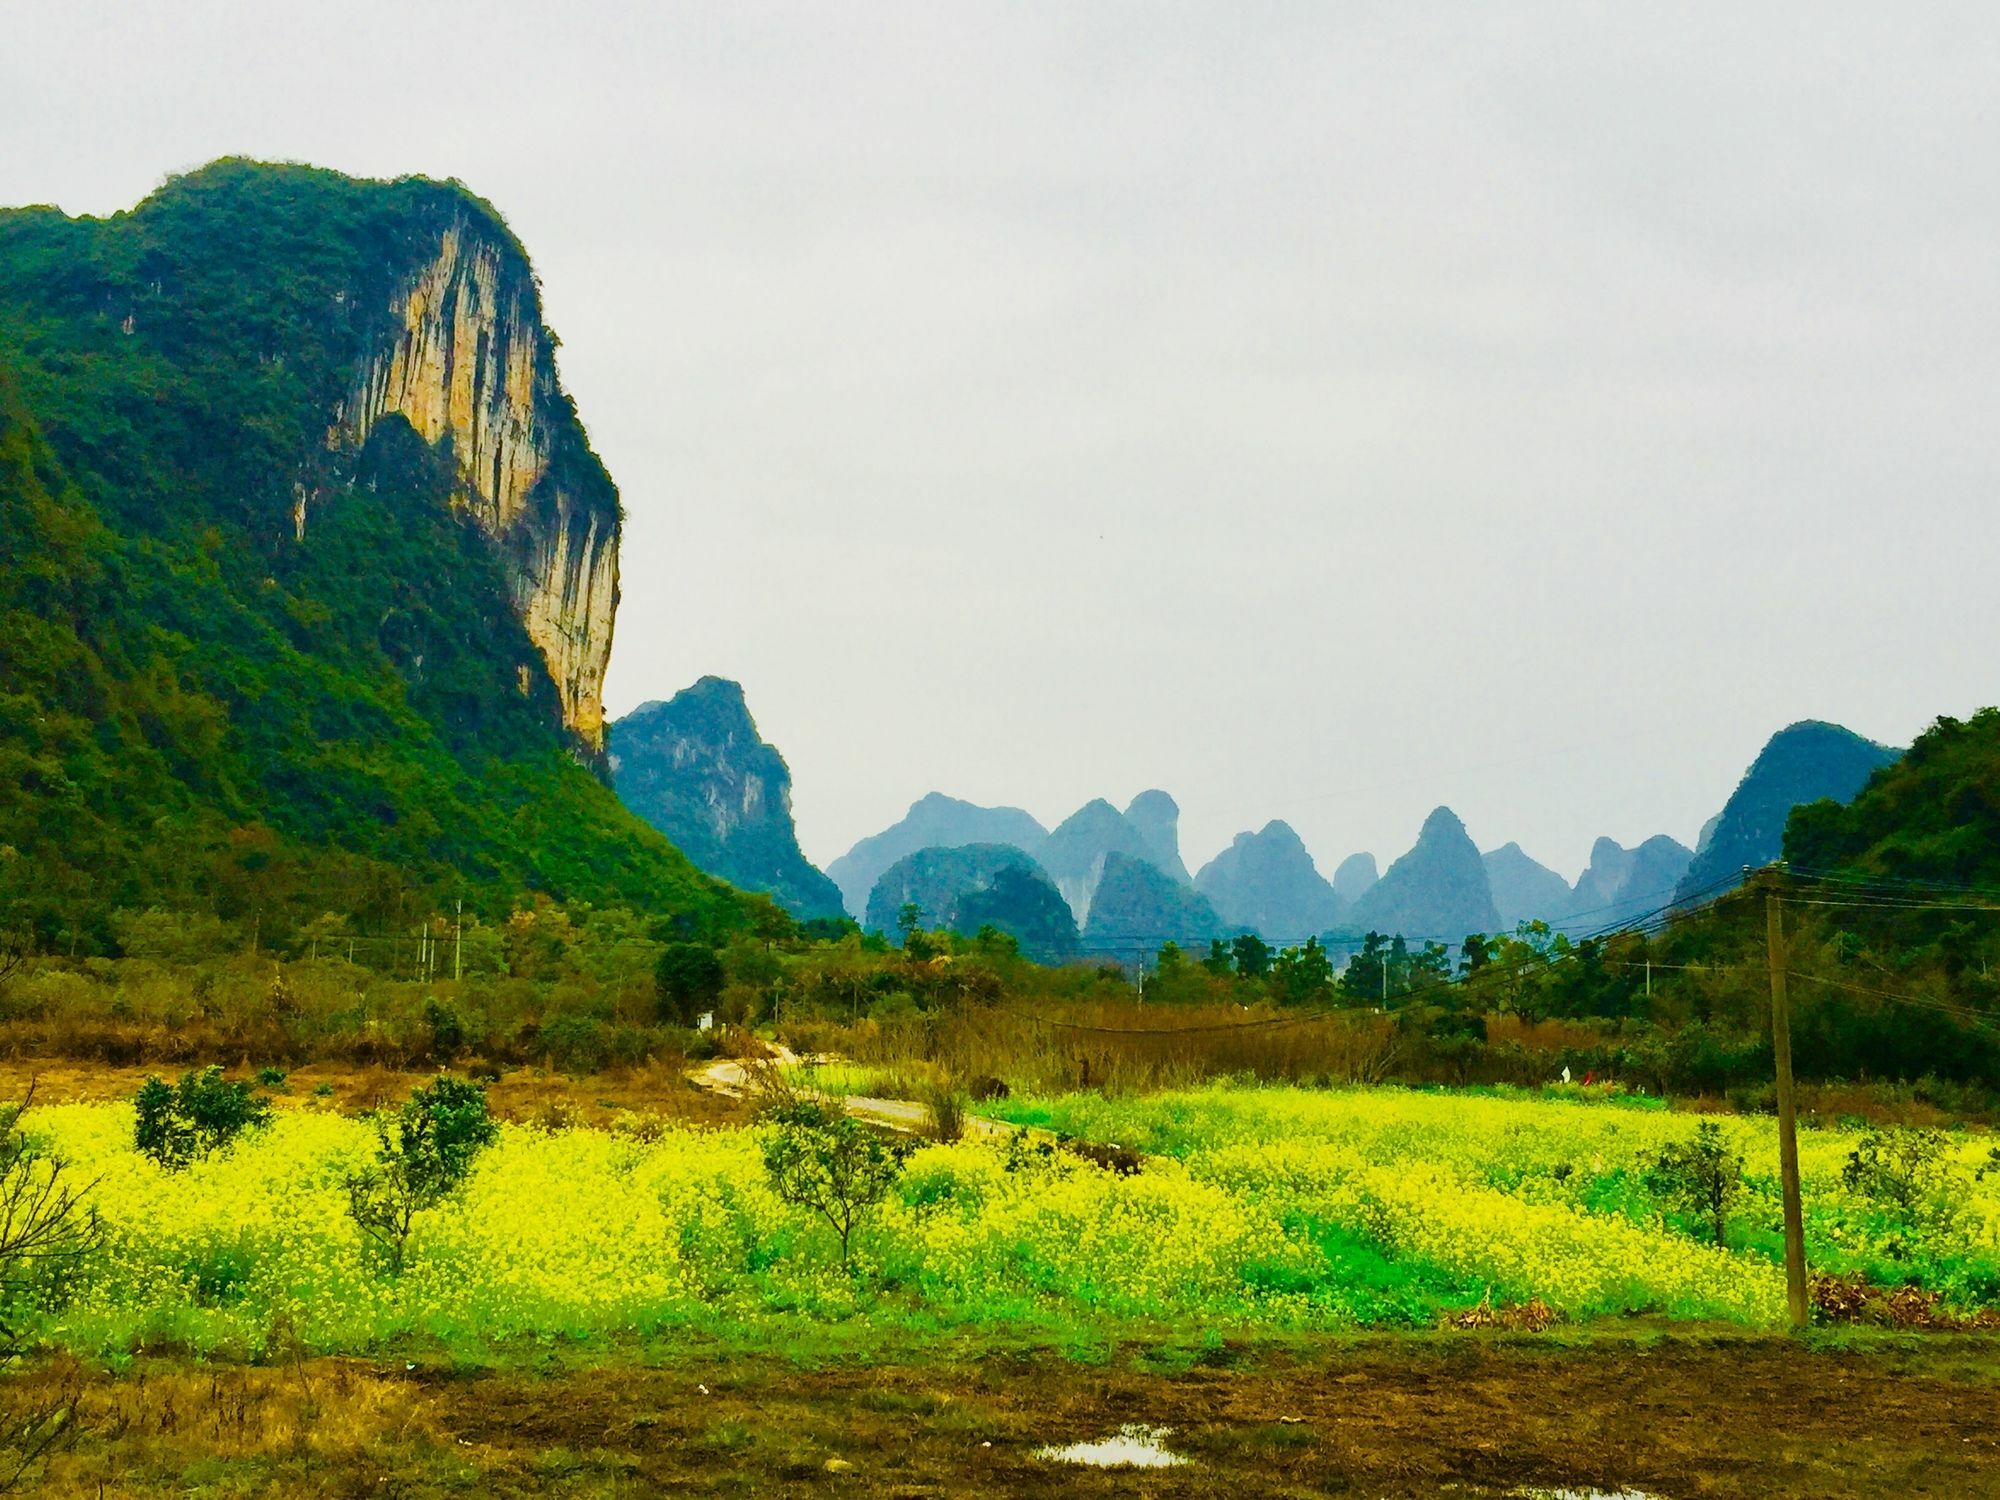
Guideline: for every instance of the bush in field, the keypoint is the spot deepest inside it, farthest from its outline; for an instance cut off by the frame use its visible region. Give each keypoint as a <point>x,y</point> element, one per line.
<point>423,1151</point>
<point>1903,1172</point>
<point>819,1157</point>
<point>1700,1177</point>
<point>689,977</point>
<point>182,1123</point>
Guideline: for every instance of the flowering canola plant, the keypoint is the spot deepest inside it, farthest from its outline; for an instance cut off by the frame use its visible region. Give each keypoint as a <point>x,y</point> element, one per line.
<point>1263,1207</point>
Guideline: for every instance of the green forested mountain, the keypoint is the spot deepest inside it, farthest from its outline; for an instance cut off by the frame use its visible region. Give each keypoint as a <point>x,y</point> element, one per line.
<point>1933,815</point>
<point>307,570</point>
<point>1800,764</point>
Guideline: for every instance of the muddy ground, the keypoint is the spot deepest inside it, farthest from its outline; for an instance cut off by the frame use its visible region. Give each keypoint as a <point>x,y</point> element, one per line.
<point>1421,1415</point>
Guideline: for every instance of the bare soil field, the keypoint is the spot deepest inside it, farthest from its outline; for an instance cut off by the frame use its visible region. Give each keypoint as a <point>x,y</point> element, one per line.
<point>1420,1415</point>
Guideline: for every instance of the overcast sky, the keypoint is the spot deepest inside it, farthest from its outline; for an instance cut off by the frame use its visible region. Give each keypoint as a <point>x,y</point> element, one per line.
<point>1321,411</point>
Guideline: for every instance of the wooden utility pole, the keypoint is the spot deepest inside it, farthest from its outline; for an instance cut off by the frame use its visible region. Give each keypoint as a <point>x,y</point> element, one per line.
<point>1788,1119</point>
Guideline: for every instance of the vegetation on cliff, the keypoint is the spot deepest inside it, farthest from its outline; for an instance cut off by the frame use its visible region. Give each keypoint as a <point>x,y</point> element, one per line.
<point>199,707</point>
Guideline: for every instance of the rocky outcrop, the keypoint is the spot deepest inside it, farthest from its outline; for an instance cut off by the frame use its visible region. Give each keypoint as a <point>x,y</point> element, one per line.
<point>697,770</point>
<point>1267,882</point>
<point>1524,889</point>
<point>1806,762</point>
<point>465,358</point>
<point>1438,892</point>
<point>1137,908</point>
<point>1158,819</point>
<point>934,821</point>
<point>974,886</point>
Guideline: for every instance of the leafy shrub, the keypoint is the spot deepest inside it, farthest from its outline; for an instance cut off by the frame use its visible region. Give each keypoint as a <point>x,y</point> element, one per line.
<point>1699,1177</point>
<point>272,1078</point>
<point>819,1157</point>
<point>423,1151</point>
<point>181,1123</point>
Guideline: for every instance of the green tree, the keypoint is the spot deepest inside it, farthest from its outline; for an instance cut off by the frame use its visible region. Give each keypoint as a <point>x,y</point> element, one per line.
<point>689,979</point>
<point>177,1124</point>
<point>1251,955</point>
<point>820,1158</point>
<point>1700,1177</point>
<point>1302,975</point>
<point>423,1152</point>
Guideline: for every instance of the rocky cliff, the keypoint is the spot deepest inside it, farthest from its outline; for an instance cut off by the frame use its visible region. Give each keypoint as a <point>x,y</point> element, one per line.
<point>1076,851</point>
<point>337,568</point>
<point>462,356</point>
<point>1158,818</point>
<point>1620,886</point>
<point>696,769</point>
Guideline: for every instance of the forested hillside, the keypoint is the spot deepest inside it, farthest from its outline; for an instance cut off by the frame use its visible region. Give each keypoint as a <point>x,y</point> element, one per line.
<point>267,650</point>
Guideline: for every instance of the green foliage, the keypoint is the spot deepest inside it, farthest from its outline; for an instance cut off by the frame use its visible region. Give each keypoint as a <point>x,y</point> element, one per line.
<point>446,1028</point>
<point>424,1151</point>
<point>181,1123</point>
<point>819,1157</point>
<point>689,979</point>
<point>1250,955</point>
<point>1699,1177</point>
<point>1303,975</point>
<point>1904,1172</point>
<point>272,1078</point>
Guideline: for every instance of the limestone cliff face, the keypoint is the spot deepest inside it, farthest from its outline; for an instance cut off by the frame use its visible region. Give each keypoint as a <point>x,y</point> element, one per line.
<point>465,358</point>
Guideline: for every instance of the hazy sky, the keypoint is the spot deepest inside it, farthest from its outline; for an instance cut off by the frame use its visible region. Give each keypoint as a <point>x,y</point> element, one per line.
<point>1321,411</point>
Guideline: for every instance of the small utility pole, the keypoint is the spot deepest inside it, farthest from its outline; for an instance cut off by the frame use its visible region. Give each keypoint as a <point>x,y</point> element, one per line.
<point>458,942</point>
<point>1788,1122</point>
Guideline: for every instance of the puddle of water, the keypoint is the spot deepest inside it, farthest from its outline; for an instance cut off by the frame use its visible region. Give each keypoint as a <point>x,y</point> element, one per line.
<point>1134,1447</point>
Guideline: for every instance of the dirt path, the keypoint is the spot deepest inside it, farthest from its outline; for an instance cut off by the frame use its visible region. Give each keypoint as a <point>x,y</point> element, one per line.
<point>725,1076</point>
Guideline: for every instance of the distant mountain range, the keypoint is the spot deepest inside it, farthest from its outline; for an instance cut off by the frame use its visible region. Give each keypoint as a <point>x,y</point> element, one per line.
<point>934,821</point>
<point>696,769</point>
<point>971,886</point>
